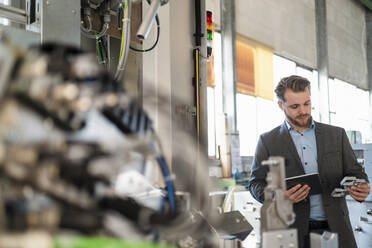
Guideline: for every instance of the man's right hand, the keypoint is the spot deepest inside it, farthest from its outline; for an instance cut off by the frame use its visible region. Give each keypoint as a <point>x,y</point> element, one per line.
<point>297,193</point>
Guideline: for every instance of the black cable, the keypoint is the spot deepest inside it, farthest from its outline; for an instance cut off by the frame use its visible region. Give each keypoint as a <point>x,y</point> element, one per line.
<point>157,38</point>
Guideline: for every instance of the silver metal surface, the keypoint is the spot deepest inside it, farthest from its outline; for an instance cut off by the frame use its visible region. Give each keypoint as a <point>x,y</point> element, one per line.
<point>280,239</point>
<point>346,182</point>
<point>250,209</point>
<point>360,213</point>
<point>326,240</point>
<point>229,243</point>
<point>276,212</point>
<point>60,21</point>
<point>148,20</point>
<point>13,14</point>
<point>361,222</point>
<point>20,37</point>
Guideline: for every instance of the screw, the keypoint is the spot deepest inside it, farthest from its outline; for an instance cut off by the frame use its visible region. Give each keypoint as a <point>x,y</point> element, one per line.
<point>47,2</point>
<point>73,11</point>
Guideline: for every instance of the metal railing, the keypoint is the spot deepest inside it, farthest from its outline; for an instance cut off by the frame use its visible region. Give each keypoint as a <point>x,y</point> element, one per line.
<point>13,14</point>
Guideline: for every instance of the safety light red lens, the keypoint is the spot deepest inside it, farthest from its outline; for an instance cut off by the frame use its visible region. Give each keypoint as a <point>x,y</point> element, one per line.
<point>209,17</point>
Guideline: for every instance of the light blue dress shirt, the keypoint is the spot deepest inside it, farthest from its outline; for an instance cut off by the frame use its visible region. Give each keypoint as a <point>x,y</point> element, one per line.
<point>306,148</point>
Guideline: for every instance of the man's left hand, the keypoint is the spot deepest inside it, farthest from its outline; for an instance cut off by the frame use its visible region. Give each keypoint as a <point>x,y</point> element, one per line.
<point>359,192</point>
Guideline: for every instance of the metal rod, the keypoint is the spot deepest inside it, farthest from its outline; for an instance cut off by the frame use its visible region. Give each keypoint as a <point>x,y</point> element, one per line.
<point>148,20</point>
<point>13,14</point>
<point>13,9</point>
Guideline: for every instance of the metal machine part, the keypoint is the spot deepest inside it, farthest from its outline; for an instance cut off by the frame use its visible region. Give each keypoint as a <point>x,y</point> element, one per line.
<point>346,183</point>
<point>54,87</point>
<point>276,211</point>
<point>360,212</point>
<point>148,20</point>
<point>95,3</point>
<point>14,14</point>
<point>326,240</point>
<point>280,238</point>
<point>250,208</point>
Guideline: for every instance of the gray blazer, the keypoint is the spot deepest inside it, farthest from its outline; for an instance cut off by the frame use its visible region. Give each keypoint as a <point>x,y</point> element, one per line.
<point>336,160</point>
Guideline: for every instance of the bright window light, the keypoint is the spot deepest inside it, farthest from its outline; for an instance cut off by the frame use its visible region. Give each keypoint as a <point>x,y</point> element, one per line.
<point>313,78</point>
<point>247,123</point>
<point>211,122</point>
<point>4,21</point>
<point>214,101</point>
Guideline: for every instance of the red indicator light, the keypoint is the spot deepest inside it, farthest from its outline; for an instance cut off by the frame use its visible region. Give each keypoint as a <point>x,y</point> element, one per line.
<point>209,17</point>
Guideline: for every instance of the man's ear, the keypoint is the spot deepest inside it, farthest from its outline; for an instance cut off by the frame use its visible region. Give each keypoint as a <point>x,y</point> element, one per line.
<point>280,103</point>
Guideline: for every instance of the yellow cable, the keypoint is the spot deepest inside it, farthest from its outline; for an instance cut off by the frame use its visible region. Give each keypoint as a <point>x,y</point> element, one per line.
<point>123,29</point>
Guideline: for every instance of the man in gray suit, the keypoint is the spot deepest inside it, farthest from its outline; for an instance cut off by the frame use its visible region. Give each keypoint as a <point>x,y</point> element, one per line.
<point>310,147</point>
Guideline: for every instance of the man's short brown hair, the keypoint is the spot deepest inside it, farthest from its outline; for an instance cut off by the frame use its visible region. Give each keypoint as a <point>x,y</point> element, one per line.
<point>294,82</point>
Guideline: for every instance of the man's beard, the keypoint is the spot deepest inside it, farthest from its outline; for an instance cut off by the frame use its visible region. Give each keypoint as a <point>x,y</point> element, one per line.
<point>298,124</point>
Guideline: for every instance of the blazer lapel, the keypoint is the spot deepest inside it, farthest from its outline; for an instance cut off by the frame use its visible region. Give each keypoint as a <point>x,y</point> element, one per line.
<point>319,143</point>
<point>290,145</point>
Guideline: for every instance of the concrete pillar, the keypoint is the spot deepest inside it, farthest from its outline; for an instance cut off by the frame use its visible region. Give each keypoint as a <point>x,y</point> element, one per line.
<point>369,47</point>
<point>229,82</point>
<point>322,58</point>
<point>228,61</point>
<point>369,57</point>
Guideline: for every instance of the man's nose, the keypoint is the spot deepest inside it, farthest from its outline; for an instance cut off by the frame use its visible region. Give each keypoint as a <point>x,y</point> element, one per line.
<point>301,110</point>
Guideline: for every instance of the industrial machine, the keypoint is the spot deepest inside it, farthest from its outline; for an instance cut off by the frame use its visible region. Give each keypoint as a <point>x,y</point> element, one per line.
<point>361,213</point>
<point>76,153</point>
<point>276,211</point>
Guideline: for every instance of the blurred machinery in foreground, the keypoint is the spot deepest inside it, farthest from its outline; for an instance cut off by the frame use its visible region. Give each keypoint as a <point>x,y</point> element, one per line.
<point>276,211</point>
<point>75,154</point>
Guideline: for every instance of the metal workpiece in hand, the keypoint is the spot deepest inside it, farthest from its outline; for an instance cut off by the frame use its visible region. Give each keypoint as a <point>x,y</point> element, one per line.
<point>277,211</point>
<point>345,183</point>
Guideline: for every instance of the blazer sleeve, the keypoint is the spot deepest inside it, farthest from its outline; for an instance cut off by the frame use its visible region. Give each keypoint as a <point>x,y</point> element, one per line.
<point>257,182</point>
<point>350,164</point>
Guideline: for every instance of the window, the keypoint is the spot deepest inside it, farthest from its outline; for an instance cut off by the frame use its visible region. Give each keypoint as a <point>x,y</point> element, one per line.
<point>353,113</point>
<point>254,68</point>
<point>214,99</point>
<point>4,21</point>
<point>312,76</point>
<point>256,115</point>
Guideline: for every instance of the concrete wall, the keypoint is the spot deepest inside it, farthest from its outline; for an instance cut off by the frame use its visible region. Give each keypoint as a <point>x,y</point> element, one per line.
<point>289,28</point>
<point>347,42</point>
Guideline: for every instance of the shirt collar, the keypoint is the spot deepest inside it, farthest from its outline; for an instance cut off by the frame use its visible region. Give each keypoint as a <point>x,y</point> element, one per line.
<point>312,125</point>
